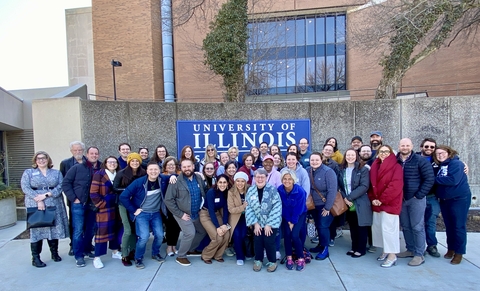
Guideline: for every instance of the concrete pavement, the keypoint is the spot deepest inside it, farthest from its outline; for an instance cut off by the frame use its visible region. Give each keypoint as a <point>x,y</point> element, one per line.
<point>339,272</point>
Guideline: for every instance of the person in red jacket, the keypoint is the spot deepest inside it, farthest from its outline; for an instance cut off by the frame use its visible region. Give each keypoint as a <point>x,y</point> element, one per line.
<point>386,193</point>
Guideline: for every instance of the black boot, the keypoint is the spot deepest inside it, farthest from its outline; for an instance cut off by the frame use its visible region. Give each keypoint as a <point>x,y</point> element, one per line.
<point>53,244</point>
<point>36,248</point>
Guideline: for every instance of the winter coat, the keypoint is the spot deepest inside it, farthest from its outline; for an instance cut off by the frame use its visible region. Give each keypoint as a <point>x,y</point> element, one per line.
<point>268,212</point>
<point>293,203</point>
<point>451,181</point>
<point>418,176</point>
<point>325,181</point>
<point>104,198</point>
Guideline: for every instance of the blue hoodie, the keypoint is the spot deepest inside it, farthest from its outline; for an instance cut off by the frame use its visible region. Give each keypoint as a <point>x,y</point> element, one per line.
<point>451,180</point>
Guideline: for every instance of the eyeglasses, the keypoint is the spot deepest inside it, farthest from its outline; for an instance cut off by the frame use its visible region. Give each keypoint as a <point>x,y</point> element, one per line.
<point>41,159</point>
<point>384,152</point>
<point>428,147</point>
<point>441,153</point>
<point>209,169</point>
<point>112,162</point>
<point>210,150</point>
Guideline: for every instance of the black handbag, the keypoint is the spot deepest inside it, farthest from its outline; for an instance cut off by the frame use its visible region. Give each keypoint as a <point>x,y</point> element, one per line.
<point>41,218</point>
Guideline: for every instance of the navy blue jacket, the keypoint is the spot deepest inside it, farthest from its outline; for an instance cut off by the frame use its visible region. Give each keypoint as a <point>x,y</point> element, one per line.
<point>293,203</point>
<point>76,183</point>
<point>418,177</point>
<point>451,181</point>
<point>133,197</point>
<point>326,182</point>
<point>67,164</point>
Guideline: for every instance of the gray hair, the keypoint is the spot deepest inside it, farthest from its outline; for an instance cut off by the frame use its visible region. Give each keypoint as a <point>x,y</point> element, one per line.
<point>260,171</point>
<point>77,143</point>
<point>286,171</point>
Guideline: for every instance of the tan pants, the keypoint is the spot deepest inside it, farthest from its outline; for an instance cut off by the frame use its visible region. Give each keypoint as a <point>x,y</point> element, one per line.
<point>218,244</point>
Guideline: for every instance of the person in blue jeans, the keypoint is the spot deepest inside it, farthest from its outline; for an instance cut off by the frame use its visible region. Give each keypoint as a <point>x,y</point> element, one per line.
<point>76,186</point>
<point>143,201</point>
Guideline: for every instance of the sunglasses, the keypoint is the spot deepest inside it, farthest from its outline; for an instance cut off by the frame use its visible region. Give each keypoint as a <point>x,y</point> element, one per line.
<point>428,147</point>
<point>209,169</point>
<point>383,152</point>
<point>210,150</point>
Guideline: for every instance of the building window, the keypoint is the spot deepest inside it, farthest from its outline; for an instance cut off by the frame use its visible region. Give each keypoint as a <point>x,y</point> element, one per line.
<point>296,55</point>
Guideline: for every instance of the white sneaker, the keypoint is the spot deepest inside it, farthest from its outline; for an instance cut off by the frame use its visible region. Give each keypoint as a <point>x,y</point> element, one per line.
<point>278,255</point>
<point>240,262</point>
<point>117,255</point>
<point>97,263</point>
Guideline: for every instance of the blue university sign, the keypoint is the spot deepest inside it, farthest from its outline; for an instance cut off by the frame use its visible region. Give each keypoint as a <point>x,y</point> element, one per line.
<point>240,133</point>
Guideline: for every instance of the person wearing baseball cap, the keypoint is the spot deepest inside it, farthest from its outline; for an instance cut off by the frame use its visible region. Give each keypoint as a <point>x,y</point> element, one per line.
<point>273,177</point>
<point>356,142</point>
<point>376,141</point>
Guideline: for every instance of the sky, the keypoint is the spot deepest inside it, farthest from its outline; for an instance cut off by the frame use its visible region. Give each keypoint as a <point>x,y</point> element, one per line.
<point>33,45</point>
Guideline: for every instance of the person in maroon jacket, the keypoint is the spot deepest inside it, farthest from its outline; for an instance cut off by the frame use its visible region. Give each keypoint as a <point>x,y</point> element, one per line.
<point>386,193</point>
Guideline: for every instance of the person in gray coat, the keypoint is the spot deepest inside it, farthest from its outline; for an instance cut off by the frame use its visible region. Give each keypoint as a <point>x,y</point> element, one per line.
<point>353,181</point>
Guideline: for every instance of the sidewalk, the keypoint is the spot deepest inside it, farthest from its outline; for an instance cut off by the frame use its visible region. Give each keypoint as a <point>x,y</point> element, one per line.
<point>339,272</point>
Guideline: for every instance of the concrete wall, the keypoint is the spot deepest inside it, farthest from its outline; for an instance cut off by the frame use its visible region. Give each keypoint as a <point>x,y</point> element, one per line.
<point>450,120</point>
<point>57,122</point>
<point>11,111</point>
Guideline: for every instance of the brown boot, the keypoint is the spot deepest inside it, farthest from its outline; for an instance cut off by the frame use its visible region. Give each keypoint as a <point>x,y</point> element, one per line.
<point>449,254</point>
<point>457,258</point>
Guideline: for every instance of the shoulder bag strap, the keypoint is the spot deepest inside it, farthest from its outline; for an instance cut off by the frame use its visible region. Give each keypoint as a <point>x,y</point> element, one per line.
<point>315,187</point>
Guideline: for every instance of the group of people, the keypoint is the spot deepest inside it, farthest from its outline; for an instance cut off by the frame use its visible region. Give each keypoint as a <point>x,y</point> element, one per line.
<point>251,203</point>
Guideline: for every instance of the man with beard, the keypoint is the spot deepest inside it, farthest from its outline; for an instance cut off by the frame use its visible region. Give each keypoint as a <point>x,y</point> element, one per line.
<point>356,143</point>
<point>432,210</point>
<point>304,153</point>
<point>365,153</point>
<point>376,140</point>
<point>77,148</point>
<point>418,179</point>
<point>184,200</point>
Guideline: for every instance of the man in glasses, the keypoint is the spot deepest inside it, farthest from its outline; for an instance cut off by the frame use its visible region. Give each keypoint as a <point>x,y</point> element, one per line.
<point>418,179</point>
<point>432,210</point>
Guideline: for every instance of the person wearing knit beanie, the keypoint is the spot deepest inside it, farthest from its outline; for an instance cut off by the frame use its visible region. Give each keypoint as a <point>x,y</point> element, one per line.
<point>133,155</point>
<point>241,175</point>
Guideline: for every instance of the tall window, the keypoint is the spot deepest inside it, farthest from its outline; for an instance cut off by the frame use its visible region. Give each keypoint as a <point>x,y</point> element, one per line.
<point>296,55</point>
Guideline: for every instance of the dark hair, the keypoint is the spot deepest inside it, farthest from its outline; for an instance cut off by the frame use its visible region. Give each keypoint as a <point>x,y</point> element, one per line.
<point>153,163</point>
<point>282,160</point>
<point>124,143</point>
<point>142,148</point>
<point>264,142</point>
<point>255,159</point>
<point>451,152</point>
<point>317,154</point>
<point>344,163</point>
<point>297,152</point>
<point>292,154</point>
<point>49,160</point>
<point>155,157</point>
<point>182,154</point>
<point>205,166</point>
<point>429,140</point>
<point>275,145</point>
<point>245,156</point>
<point>165,162</point>
<point>227,164</point>
<point>89,148</point>
<point>104,164</point>
<point>228,184</point>
<point>335,148</point>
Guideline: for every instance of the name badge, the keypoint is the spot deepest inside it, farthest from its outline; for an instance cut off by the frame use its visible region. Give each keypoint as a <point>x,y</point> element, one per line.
<point>217,200</point>
<point>35,173</point>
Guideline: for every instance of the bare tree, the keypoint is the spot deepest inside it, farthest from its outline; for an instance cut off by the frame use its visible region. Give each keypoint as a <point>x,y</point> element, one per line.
<point>408,31</point>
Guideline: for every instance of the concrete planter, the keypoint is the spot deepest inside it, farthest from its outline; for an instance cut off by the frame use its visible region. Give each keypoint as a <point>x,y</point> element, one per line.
<point>8,212</point>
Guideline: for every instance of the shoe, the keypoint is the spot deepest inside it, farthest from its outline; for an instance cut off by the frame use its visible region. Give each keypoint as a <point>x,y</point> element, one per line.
<point>388,263</point>
<point>131,255</point>
<point>70,252</point>
<point>406,254</point>
<point>53,244</point>
<point>349,253</point>
<point>80,262</point>
<point>357,255</point>
<point>117,255</point>
<point>322,255</point>
<point>316,249</point>
<point>382,257</point>
<point>271,267</point>
<point>220,260</point>
<point>36,249</point>
<point>208,262</point>
<point>126,262</point>
<point>194,253</point>
<point>331,243</point>
<point>158,258</point>
<point>449,254</point>
<point>257,266</point>
<point>432,251</point>
<point>171,254</point>
<point>372,249</point>
<point>139,264</point>
<point>339,233</point>
<point>278,256</point>
<point>416,261</point>
<point>457,259</point>
<point>240,262</point>
<point>97,263</point>
<point>230,252</point>
<point>300,265</point>
<point>183,261</point>
<point>314,240</point>
<point>248,258</point>
<point>290,264</point>
<point>89,255</point>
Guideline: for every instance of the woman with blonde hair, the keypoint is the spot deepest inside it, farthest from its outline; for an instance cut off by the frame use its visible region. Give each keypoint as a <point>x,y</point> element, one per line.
<point>211,156</point>
<point>42,186</point>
